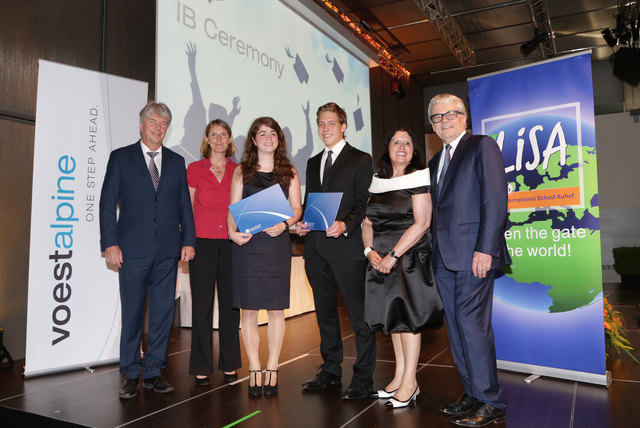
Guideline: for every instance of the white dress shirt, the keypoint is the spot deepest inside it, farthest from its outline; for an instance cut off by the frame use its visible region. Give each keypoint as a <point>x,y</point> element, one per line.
<point>157,159</point>
<point>335,151</point>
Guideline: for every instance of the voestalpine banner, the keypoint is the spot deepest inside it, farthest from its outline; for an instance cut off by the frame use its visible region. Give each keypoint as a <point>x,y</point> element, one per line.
<point>548,312</point>
<point>73,317</point>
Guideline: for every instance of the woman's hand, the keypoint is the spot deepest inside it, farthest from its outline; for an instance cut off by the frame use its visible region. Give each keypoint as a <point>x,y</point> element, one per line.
<point>382,265</point>
<point>387,264</point>
<point>239,238</point>
<point>276,229</point>
<point>374,258</point>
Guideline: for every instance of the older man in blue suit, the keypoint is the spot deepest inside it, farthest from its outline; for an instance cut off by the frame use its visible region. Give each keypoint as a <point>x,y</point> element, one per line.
<point>155,228</point>
<point>469,216</point>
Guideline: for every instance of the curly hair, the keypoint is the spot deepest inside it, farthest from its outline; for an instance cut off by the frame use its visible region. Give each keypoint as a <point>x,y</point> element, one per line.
<point>385,168</point>
<point>205,148</point>
<point>283,171</point>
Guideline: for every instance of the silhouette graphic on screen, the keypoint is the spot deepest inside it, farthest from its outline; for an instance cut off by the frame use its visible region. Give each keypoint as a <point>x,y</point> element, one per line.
<point>298,67</point>
<point>357,117</point>
<point>304,153</point>
<point>195,119</point>
<point>337,71</point>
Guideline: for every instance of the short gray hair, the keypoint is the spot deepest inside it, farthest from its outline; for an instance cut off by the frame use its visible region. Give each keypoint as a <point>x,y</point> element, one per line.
<point>445,98</point>
<point>153,107</point>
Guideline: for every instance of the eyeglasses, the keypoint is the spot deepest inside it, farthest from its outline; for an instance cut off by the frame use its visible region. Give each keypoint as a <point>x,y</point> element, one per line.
<point>451,114</point>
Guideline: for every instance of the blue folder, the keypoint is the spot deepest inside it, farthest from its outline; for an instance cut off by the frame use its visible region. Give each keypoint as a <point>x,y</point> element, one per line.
<point>321,209</point>
<point>261,210</point>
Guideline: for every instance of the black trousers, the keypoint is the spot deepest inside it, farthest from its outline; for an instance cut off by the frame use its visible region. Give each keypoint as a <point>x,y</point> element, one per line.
<point>327,277</point>
<point>211,265</point>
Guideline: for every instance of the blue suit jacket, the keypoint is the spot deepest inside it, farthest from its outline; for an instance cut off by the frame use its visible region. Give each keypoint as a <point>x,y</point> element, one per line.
<point>471,212</point>
<point>144,212</point>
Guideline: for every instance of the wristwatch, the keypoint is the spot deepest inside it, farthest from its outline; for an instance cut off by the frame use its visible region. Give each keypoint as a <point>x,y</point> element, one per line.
<point>366,251</point>
<point>393,254</point>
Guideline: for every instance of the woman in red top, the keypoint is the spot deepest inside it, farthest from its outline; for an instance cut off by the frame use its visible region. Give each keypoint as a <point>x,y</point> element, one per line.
<point>209,185</point>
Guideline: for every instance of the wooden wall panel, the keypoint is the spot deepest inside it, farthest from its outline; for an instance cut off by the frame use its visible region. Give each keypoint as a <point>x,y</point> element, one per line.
<point>130,42</point>
<point>16,167</point>
<point>389,111</point>
<point>66,31</point>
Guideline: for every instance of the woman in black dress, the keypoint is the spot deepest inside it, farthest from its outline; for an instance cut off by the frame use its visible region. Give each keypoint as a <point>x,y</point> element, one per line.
<point>400,297</point>
<point>261,264</point>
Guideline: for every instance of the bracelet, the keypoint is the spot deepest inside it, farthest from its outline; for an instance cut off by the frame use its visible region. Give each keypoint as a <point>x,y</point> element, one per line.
<point>286,225</point>
<point>367,250</point>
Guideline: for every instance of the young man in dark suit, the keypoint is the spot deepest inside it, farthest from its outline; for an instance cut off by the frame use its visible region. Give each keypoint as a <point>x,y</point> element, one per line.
<point>154,229</point>
<point>334,260</point>
<point>469,216</point>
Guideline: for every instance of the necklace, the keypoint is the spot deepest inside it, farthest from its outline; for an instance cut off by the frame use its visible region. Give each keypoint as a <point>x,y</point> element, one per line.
<point>217,169</point>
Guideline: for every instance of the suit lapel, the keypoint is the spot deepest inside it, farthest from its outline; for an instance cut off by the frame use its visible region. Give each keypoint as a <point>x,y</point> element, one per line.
<point>340,162</point>
<point>141,160</point>
<point>314,172</point>
<point>433,171</point>
<point>463,145</point>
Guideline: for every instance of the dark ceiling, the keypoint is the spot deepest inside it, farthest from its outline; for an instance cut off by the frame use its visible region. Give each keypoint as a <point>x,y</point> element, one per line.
<point>493,29</point>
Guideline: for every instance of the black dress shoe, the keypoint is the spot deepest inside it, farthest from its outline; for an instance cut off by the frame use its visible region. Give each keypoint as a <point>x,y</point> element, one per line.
<point>268,388</point>
<point>255,390</point>
<point>358,389</point>
<point>228,378</point>
<point>460,407</point>
<point>483,415</point>
<point>321,381</point>
<point>157,384</point>
<point>204,381</point>
<point>129,388</point>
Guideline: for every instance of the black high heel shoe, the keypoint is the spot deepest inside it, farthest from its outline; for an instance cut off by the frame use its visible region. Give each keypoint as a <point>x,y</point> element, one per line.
<point>255,390</point>
<point>268,388</point>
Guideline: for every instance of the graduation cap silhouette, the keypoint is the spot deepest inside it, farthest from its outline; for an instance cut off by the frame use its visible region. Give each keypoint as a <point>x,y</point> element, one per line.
<point>337,71</point>
<point>298,67</point>
<point>357,117</point>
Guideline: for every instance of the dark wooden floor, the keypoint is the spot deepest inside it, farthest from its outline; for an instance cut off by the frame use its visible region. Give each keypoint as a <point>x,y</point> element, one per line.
<point>82,398</point>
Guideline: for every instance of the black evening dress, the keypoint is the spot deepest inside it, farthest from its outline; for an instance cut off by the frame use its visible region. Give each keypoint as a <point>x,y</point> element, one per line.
<point>261,268</point>
<point>406,299</point>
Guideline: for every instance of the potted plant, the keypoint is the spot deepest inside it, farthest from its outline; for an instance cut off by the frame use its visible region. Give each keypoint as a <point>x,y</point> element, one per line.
<point>626,262</point>
<point>614,336</point>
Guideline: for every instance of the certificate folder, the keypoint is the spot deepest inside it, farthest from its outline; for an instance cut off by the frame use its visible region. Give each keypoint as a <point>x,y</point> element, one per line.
<point>261,210</point>
<point>321,209</point>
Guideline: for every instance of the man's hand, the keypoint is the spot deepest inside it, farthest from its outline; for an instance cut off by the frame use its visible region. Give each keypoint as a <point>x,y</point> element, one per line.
<point>188,253</point>
<point>337,228</point>
<point>301,229</point>
<point>481,264</point>
<point>113,255</point>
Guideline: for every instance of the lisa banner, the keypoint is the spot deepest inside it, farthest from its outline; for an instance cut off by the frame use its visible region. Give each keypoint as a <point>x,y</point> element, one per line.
<point>548,312</point>
<point>73,317</point>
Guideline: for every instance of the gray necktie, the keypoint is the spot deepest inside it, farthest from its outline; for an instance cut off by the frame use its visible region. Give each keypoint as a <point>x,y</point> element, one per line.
<point>445,165</point>
<point>153,169</point>
<point>327,165</point>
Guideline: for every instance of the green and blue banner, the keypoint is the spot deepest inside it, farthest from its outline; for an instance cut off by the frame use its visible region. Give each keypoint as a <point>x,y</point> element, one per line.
<point>548,312</point>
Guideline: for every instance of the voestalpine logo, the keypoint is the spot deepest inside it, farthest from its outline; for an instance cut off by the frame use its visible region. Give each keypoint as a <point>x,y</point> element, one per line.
<point>62,228</point>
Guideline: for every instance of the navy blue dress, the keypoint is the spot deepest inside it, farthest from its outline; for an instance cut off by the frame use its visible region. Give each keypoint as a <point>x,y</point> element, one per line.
<point>261,268</point>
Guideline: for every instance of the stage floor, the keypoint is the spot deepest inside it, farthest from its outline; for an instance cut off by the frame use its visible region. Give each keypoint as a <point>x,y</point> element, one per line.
<point>81,398</point>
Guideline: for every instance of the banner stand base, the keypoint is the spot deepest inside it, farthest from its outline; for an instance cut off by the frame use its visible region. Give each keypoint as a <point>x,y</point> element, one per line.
<point>595,378</point>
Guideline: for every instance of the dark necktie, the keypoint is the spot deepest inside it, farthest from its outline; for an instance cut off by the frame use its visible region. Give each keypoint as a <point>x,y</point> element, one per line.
<point>445,165</point>
<point>153,169</point>
<point>327,165</point>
